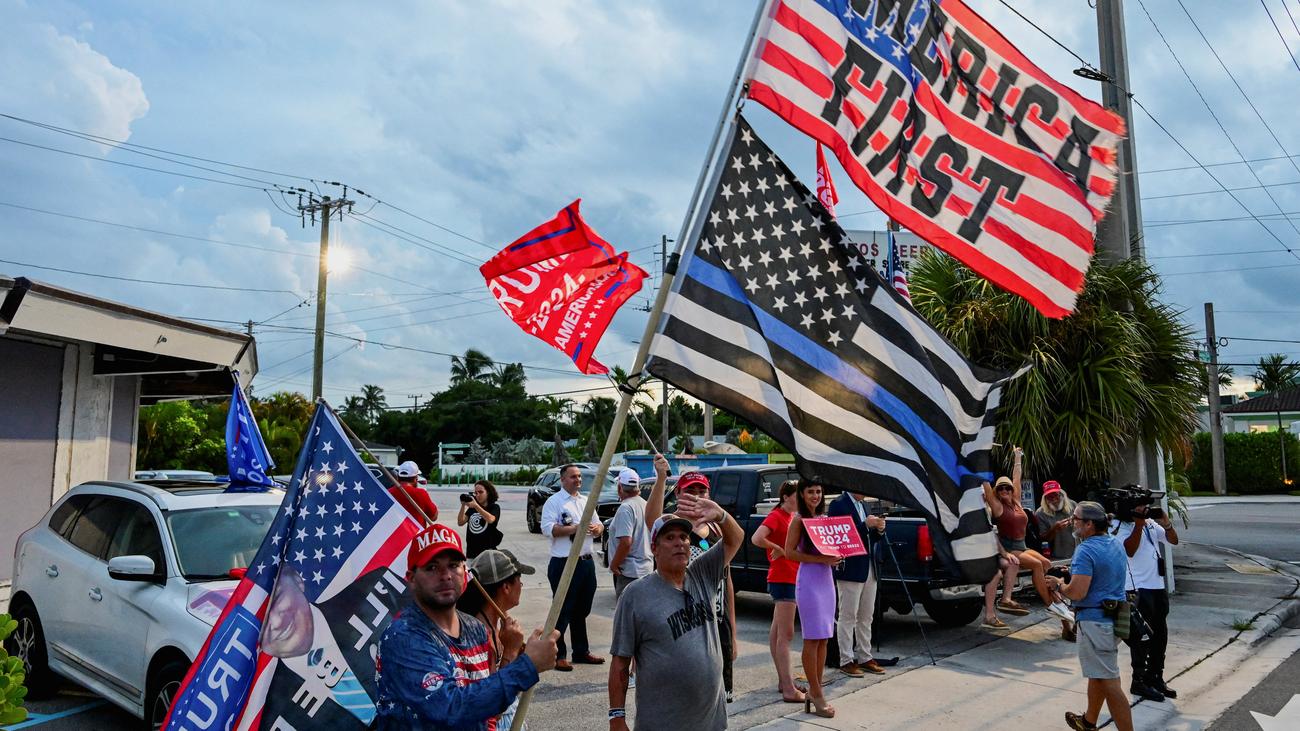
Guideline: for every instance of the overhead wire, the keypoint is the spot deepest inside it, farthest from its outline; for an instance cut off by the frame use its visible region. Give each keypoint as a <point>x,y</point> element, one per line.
<point>190,285</point>
<point>1280,37</point>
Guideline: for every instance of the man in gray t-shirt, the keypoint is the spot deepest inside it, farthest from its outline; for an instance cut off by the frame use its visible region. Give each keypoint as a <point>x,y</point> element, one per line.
<point>629,538</point>
<point>666,622</point>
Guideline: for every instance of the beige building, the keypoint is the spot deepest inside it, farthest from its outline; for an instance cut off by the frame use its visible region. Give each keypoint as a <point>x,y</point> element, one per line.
<point>74,371</point>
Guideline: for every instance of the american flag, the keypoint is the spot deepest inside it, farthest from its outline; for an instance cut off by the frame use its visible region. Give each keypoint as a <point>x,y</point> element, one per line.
<point>894,273</point>
<point>772,318</point>
<point>950,131</point>
<point>331,564</point>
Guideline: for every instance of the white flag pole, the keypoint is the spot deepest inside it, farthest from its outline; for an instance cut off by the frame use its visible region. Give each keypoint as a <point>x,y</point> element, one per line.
<point>722,131</point>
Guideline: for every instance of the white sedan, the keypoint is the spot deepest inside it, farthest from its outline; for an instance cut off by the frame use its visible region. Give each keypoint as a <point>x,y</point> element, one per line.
<point>119,584</point>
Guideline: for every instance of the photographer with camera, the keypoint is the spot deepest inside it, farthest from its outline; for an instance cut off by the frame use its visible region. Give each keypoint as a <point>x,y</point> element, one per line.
<point>480,510</point>
<point>1144,528</point>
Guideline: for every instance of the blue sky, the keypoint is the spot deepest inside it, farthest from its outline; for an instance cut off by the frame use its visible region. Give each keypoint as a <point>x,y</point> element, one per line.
<point>487,117</point>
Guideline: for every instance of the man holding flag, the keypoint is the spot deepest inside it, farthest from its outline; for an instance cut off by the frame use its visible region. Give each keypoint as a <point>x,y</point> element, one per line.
<point>434,660</point>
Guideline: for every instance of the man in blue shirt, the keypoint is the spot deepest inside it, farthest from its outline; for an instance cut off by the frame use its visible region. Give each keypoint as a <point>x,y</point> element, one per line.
<point>434,663</point>
<point>1097,575</point>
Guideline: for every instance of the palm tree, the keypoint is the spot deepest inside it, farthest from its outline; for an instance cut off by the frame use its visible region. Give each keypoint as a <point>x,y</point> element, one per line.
<point>510,376</point>
<point>1120,367</point>
<point>1274,373</point>
<point>373,402</point>
<point>355,407</point>
<point>475,365</point>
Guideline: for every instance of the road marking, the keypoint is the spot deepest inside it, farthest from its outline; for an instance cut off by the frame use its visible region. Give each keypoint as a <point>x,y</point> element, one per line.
<point>36,719</point>
<point>1286,719</point>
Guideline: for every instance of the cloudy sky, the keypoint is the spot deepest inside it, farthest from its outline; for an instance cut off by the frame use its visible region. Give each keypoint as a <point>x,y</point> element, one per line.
<point>479,120</point>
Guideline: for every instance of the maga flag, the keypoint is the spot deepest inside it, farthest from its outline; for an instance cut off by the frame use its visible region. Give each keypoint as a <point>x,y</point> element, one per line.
<point>950,131</point>
<point>294,647</point>
<point>774,319</point>
<point>825,186</point>
<point>247,458</point>
<point>562,283</point>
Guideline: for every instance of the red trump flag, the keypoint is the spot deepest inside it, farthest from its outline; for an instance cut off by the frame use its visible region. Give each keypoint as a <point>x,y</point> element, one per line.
<point>952,132</point>
<point>562,283</point>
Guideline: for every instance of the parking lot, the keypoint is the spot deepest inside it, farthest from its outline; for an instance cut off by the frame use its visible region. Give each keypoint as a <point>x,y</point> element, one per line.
<point>578,699</point>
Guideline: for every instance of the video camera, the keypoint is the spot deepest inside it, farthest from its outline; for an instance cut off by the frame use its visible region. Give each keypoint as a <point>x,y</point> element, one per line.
<point>1123,501</point>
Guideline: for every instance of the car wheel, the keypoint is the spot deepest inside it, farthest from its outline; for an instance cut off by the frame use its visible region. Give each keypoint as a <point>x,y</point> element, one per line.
<point>956,613</point>
<point>534,519</point>
<point>164,684</point>
<point>27,643</point>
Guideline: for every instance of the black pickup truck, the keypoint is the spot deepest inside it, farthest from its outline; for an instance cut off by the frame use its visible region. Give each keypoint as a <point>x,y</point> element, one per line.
<point>749,492</point>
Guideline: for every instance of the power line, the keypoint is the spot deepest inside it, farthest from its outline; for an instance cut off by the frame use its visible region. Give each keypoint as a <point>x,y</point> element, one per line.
<point>1218,253</point>
<point>1240,269</point>
<point>131,165</point>
<point>1196,88</point>
<point>1280,37</point>
<point>125,144</point>
<point>155,231</point>
<point>437,225</point>
<point>149,281</point>
<point>407,236</point>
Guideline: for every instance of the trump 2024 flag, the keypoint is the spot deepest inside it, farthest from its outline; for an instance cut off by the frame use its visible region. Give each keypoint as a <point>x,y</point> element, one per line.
<point>562,283</point>
<point>294,646</point>
<point>950,131</point>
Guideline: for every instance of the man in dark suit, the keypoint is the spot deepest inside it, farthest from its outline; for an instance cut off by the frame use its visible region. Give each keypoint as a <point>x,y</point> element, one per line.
<point>855,578</point>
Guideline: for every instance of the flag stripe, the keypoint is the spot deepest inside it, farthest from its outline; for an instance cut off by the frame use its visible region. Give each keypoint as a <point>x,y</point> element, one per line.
<point>816,350</point>
<point>926,114</point>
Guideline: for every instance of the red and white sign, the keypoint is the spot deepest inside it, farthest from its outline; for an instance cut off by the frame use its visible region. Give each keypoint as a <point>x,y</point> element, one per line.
<point>835,536</point>
<point>562,283</point>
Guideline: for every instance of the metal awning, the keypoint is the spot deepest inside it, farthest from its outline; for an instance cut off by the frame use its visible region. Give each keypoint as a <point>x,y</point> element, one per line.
<point>175,358</point>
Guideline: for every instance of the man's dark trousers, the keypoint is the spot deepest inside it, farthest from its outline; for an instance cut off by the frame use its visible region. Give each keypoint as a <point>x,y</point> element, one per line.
<point>577,603</point>
<point>1148,655</point>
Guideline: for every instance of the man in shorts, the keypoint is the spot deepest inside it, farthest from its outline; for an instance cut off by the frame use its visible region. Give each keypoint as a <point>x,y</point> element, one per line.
<point>666,622</point>
<point>1097,574</point>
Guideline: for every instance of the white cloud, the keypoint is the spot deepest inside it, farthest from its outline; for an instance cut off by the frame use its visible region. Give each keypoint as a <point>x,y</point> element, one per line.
<point>57,78</point>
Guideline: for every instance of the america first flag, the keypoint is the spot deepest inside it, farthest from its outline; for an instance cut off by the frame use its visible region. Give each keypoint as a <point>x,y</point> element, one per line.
<point>294,646</point>
<point>950,131</point>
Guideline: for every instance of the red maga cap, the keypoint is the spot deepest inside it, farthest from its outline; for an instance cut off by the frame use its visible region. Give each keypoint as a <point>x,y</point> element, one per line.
<point>430,542</point>
<point>691,478</point>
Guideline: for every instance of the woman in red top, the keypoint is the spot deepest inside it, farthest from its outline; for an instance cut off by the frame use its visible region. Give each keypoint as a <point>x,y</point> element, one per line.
<point>781,575</point>
<point>1012,520</point>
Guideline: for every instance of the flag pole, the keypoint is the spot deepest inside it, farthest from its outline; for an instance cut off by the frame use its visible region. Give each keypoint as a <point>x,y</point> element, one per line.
<point>724,129</point>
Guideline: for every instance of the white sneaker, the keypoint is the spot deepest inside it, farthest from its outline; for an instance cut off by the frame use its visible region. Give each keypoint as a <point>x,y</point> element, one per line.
<point>1060,610</point>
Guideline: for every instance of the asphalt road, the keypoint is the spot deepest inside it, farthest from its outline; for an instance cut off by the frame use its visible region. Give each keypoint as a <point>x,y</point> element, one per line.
<point>1263,529</point>
<point>576,700</point>
<point>1277,696</point>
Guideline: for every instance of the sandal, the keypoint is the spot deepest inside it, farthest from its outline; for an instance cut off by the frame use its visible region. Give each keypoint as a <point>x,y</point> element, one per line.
<point>994,623</point>
<point>1011,606</point>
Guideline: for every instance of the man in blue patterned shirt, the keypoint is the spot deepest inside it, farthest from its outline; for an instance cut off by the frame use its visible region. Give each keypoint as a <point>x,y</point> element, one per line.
<point>433,664</point>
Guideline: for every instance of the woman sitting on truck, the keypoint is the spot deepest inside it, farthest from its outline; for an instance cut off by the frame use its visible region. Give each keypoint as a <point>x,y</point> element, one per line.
<point>814,594</point>
<point>781,573</point>
<point>1012,521</point>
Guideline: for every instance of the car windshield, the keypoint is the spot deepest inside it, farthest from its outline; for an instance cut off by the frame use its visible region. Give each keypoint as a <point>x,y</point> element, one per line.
<point>610,491</point>
<point>212,541</point>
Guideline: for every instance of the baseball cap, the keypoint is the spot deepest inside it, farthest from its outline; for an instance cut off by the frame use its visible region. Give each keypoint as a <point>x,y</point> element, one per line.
<point>1004,480</point>
<point>628,476</point>
<point>1050,487</point>
<point>670,520</point>
<point>494,566</point>
<point>408,469</point>
<point>692,478</point>
<point>430,542</point>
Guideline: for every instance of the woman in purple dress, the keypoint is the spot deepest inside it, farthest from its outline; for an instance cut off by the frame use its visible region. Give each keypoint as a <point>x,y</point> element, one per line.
<point>814,593</point>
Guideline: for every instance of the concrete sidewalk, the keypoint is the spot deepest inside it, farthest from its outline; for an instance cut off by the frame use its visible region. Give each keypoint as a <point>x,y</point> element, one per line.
<point>1031,677</point>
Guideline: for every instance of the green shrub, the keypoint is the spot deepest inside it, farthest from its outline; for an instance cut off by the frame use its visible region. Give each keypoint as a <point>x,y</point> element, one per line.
<point>1253,462</point>
<point>12,691</point>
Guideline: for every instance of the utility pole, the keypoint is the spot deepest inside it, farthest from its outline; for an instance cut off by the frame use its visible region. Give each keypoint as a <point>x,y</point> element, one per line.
<point>415,398</point>
<point>663,263</point>
<point>1120,232</point>
<point>327,207</point>
<point>1218,469</point>
<point>1119,235</point>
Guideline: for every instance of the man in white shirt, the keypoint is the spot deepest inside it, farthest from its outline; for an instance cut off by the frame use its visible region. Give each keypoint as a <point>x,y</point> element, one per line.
<point>560,516</point>
<point>629,537</point>
<point>1144,538</point>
